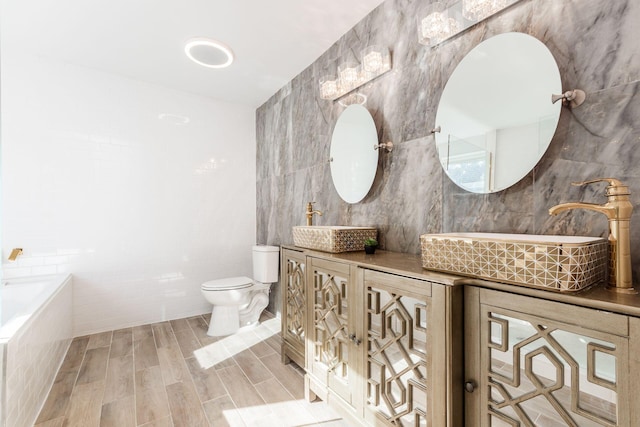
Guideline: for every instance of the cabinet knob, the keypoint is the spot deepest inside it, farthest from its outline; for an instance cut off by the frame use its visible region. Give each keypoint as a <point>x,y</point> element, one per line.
<point>470,386</point>
<point>355,340</point>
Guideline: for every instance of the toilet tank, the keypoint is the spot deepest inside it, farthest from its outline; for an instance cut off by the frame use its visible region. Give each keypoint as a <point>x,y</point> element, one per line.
<point>266,260</point>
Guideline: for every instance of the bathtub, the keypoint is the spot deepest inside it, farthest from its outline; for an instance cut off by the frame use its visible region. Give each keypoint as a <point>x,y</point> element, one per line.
<point>35,333</point>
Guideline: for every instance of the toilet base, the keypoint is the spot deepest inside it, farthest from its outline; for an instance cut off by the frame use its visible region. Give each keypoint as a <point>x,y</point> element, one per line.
<point>225,320</point>
<point>228,319</point>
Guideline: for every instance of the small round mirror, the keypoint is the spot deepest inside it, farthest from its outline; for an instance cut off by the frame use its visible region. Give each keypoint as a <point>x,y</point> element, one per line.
<point>495,115</point>
<point>354,159</point>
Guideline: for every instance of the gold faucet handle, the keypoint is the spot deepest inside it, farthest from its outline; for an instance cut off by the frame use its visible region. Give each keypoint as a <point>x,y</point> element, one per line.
<point>310,206</point>
<point>615,188</point>
<point>613,182</point>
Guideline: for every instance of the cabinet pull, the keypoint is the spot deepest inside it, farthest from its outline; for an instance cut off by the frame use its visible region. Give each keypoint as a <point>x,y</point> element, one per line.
<point>355,340</point>
<point>470,386</point>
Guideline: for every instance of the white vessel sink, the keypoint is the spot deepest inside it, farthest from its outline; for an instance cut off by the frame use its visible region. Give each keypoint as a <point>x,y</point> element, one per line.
<point>561,263</point>
<point>332,238</point>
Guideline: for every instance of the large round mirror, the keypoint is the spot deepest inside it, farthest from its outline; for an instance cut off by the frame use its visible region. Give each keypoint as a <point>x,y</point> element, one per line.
<point>495,116</point>
<point>354,159</point>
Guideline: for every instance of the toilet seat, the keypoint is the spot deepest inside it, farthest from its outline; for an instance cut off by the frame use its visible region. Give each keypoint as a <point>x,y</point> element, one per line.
<point>230,283</point>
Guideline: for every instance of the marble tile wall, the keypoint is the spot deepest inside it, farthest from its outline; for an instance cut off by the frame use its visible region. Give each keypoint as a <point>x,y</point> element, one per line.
<point>595,45</point>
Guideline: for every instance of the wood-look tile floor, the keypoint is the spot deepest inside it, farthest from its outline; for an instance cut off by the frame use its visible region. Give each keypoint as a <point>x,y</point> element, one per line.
<point>173,374</point>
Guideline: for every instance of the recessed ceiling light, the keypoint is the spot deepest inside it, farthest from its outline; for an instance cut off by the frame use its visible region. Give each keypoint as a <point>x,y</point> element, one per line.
<point>208,53</point>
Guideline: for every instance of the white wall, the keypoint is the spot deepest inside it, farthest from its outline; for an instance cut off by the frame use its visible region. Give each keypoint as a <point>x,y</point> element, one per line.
<point>140,209</point>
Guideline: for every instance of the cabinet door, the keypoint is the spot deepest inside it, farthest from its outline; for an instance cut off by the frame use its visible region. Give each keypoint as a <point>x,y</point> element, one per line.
<point>331,297</point>
<point>398,324</point>
<point>544,363</point>
<point>293,305</point>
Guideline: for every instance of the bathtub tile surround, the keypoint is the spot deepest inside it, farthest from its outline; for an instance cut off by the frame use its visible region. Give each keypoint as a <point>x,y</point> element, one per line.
<point>140,191</point>
<point>172,373</point>
<point>33,354</point>
<point>594,43</point>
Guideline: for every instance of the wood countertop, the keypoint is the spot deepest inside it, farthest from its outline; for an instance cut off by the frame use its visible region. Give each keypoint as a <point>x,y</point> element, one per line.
<point>410,265</point>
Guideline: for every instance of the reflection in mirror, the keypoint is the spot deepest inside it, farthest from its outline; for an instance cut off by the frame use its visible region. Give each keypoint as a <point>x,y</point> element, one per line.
<point>495,113</point>
<point>354,159</point>
<point>551,367</point>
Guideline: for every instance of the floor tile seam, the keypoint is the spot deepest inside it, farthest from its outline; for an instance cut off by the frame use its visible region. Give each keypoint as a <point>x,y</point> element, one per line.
<point>105,368</point>
<point>133,380</point>
<point>229,394</point>
<point>247,375</point>
<point>194,336</point>
<point>226,389</point>
<point>75,381</point>
<point>206,416</point>
<point>135,394</point>
<point>153,335</point>
<point>77,372</point>
<point>175,343</point>
<point>292,397</point>
<point>275,377</point>
<point>194,332</point>
<point>74,391</point>
<point>235,408</point>
<point>262,340</point>
<point>214,371</point>
<point>284,366</point>
<point>284,386</point>
<point>106,345</point>
<point>193,387</point>
<point>135,397</point>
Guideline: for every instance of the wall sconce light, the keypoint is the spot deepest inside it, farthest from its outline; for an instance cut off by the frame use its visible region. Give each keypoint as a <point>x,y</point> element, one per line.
<point>349,74</point>
<point>375,61</point>
<point>328,87</point>
<point>477,10</point>
<point>437,23</point>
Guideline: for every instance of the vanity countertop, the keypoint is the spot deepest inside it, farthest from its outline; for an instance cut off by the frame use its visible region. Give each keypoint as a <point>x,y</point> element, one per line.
<point>410,265</point>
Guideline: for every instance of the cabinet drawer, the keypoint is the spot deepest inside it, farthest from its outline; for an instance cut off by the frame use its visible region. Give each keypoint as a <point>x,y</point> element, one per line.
<point>404,285</point>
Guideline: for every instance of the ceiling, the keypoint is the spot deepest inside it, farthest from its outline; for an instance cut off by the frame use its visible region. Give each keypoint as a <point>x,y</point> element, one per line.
<point>273,40</point>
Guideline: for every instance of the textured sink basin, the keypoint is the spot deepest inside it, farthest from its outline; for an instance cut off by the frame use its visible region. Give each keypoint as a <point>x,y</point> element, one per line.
<point>332,239</point>
<point>561,263</point>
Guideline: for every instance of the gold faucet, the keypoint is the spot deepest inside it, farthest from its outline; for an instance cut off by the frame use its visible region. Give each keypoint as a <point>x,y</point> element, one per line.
<point>618,211</point>
<point>15,253</point>
<point>310,213</point>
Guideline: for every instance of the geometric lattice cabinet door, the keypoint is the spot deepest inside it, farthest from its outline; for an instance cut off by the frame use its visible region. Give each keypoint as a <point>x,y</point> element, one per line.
<point>544,363</point>
<point>398,362</point>
<point>331,333</point>
<point>293,282</point>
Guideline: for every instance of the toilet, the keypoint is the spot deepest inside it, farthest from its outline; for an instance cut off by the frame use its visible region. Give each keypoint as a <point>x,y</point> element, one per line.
<point>239,301</point>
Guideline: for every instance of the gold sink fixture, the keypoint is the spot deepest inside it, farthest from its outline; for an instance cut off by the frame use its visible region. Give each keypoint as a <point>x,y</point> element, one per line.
<point>560,263</point>
<point>311,212</point>
<point>618,211</point>
<point>333,239</point>
<point>15,253</point>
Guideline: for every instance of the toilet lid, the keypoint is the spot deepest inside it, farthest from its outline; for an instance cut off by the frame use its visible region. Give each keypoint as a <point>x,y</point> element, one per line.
<point>227,284</point>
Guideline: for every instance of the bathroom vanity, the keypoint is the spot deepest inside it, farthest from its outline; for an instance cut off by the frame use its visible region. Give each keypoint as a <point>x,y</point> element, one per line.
<point>387,342</point>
